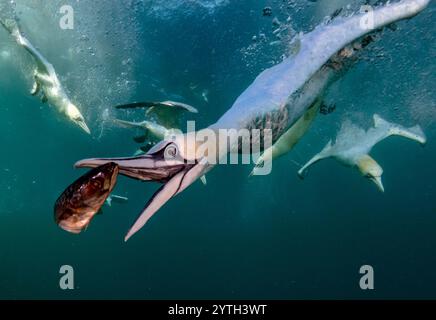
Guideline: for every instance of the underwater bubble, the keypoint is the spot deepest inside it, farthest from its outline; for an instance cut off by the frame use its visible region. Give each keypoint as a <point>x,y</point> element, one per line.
<point>5,54</point>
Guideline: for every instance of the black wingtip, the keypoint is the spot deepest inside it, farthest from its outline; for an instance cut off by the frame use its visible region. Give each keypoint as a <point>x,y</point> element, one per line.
<point>135,105</point>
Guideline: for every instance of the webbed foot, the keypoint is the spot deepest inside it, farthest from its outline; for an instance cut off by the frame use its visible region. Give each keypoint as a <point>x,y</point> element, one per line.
<point>35,89</point>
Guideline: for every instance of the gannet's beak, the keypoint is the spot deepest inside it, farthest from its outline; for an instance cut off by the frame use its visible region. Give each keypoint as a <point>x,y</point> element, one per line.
<point>153,166</point>
<point>82,124</point>
<point>73,113</point>
<point>370,169</point>
<point>174,171</point>
<point>378,183</point>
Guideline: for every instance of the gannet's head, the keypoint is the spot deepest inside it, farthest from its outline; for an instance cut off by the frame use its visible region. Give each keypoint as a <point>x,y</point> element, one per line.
<point>176,162</point>
<point>74,115</point>
<point>370,169</point>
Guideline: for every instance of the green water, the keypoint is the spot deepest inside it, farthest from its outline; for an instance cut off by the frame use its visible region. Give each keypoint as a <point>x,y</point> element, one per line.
<point>238,237</point>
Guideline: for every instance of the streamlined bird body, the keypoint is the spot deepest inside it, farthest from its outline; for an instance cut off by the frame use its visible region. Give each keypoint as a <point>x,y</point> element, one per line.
<point>353,145</point>
<point>46,82</point>
<point>276,100</point>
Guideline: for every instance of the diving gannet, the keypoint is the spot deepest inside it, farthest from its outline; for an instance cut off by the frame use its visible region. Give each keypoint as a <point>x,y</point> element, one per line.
<point>46,82</point>
<point>353,145</point>
<point>276,100</point>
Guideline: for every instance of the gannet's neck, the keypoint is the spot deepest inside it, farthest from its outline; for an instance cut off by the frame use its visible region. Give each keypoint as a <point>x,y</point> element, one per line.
<point>265,99</point>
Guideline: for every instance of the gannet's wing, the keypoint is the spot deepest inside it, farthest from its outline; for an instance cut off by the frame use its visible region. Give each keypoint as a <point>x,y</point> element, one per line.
<point>155,129</point>
<point>325,153</point>
<point>140,125</point>
<point>414,133</point>
<point>166,113</point>
<point>136,105</point>
<point>43,65</point>
<point>171,105</point>
<point>130,124</point>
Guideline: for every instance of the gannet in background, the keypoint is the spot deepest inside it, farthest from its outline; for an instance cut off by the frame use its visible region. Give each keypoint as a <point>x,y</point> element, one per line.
<point>353,145</point>
<point>150,128</point>
<point>276,100</point>
<point>46,84</point>
<point>164,118</point>
<point>167,112</point>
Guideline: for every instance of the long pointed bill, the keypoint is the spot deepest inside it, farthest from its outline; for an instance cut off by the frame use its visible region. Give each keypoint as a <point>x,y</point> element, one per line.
<point>378,183</point>
<point>149,167</point>
<point>177,184</point>
<point>84,126</point>
<point>177,174</point>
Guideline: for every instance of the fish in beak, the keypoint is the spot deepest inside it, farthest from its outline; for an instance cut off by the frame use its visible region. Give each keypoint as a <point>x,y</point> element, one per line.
<point>81,201</point>
<point>163,163</point>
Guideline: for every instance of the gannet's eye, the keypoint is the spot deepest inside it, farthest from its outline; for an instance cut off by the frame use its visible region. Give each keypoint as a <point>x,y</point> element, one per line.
<point>171,151</point>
